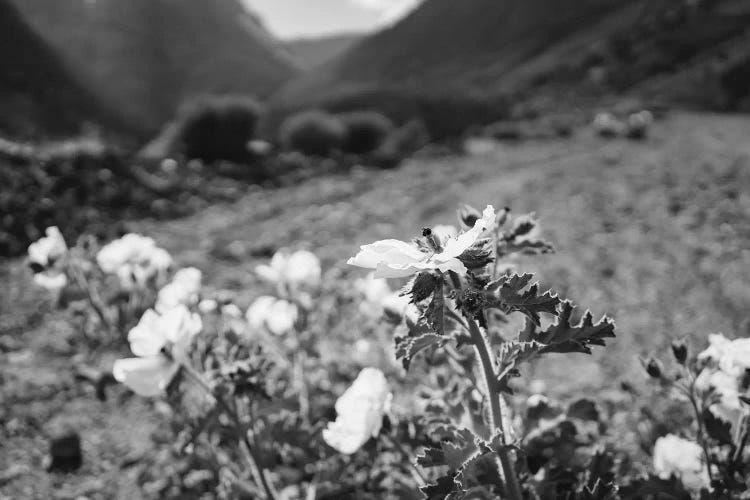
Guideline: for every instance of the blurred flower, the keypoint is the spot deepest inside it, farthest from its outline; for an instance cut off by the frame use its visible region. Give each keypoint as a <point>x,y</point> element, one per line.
<point>360,412</point>
<point>374,290</point>
<point>275,315</point>
<point>207,306</point>
<point>396,259</point>
<point>135,259</point>
<point>52,282</point>
<point>259,147</point>
<point>231,310</point>
<point>301,268</point>
<point>683,458</point>
<point>398,305</point>
<point>160,342</point>
<point>182,290</point>
<point>46,250</point>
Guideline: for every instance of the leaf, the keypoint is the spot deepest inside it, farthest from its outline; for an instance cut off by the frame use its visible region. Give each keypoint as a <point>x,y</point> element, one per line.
<point>563,337</point>
<point>528,247</point>
<point>507,294</point>
<point>717,428</point>
<point>455,451</point>
<point>439,490</point>
<point>407,347</point>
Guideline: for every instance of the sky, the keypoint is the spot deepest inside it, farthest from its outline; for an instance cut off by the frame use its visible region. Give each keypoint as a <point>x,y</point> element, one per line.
<point>310,18</point>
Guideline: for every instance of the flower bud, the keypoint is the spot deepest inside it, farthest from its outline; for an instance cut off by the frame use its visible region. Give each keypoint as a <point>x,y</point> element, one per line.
<point>653,367</point>
<point>468,215</point>
<point>680,350</point>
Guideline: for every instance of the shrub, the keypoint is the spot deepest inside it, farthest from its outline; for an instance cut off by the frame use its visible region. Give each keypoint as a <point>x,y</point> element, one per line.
<point>312,132</point>
<point>217,128</point>
<point>365,131</point>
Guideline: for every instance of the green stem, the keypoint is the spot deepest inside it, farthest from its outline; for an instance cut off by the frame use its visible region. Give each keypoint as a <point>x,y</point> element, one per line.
<point>245,446</point>
<point>512,484</point>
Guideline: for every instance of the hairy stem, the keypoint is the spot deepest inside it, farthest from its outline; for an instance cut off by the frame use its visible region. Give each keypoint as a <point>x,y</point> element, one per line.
<point>512,485</point>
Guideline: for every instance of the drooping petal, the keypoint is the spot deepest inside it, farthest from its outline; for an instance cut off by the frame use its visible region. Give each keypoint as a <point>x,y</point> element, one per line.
<point>144,376</point>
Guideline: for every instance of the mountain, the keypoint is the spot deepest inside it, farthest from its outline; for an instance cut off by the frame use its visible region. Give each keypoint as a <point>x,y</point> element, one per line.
<point>38,95</point>
<point>310,53</point>
<point>147,56</point>
<point>459,63</point>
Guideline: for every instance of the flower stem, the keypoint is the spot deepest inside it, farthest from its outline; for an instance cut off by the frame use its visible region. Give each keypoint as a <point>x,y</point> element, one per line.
<point>246,447</point>
<point>512,485</point>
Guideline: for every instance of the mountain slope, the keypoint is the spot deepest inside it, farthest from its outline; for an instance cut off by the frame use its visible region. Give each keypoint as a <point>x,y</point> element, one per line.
<point>148,56</point>
<point>38,96</point>
<point>466,56</point>
<point>310,53</point>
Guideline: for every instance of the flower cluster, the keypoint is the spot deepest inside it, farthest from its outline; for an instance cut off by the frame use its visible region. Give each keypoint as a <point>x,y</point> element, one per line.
<point>135,259</point>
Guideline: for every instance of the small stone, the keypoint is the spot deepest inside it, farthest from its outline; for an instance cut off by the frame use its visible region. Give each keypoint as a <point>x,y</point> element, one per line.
<point>65,452</point>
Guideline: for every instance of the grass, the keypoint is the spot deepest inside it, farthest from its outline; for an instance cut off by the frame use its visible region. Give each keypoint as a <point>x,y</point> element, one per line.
<point>653,233</point>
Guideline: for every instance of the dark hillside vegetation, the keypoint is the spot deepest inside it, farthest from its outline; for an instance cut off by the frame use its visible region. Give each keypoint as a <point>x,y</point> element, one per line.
<point>38,95</point>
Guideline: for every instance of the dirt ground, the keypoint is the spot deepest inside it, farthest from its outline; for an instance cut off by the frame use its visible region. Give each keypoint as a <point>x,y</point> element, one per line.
<point>654,233</point>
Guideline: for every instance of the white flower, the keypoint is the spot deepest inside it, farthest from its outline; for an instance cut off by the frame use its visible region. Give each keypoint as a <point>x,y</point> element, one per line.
<point>278,316</point>
<point>52,282</point>
<point>134,258</point>
<point>207,306</point>
<point>607,124</point>
<point>397,259</point>
<point>732,356</point>
<point>444,232</point>
<point>301,268</point>
<point>151,339</point>
<point>683,458</point>
<point>231,310</point>
<point>182,290</point>
<point>398,305</point>
<point>359,412</point>
<point>46,250</point>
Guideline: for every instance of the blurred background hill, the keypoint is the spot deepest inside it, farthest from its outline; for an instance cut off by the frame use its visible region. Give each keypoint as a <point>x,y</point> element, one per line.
<point>147,56</point>
<point>38,95</point>
<point>452,64</point>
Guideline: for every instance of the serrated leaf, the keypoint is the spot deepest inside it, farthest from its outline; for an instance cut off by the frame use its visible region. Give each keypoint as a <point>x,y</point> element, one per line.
<point>528,247</point>
<point>408,347</point>
<point>453,452</point>
<point>563,337</point>
<point>717,428</point>
<point>510,293</point>
<point>440,489</point>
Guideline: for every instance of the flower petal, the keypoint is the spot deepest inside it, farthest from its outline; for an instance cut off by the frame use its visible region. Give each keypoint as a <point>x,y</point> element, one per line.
<point>147,337</point>
<point>456,246</point>
<point>144,376</point>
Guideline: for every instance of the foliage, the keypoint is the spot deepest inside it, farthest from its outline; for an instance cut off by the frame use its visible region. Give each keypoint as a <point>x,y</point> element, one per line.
<point>312,132</point>
<point>218,127</point>
<point>275,405</point>
<point>365,131</point>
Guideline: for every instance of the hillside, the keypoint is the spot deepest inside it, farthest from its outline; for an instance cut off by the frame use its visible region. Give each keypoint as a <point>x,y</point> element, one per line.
<point>471,53</point>
<point>147,56</point>
<point>313,52</point>
<point>38,96</point>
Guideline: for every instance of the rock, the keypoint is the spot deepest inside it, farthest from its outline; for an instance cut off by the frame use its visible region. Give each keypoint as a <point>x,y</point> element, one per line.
<point>65,452</point>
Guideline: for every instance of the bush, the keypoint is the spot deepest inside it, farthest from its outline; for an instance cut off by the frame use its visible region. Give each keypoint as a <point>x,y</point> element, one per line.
<point>365,131</point>
<point>312,132</point>
<point>217,128</point>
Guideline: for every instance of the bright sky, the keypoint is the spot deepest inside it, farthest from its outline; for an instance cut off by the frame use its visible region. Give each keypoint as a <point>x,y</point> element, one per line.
<point>309,18</point>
